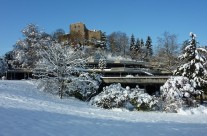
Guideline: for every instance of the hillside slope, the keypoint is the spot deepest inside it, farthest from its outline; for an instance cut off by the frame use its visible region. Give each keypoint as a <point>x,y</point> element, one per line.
<point>24,110</point>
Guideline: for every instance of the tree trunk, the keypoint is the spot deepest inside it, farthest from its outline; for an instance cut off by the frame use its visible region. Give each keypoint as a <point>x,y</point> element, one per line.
<point>201,98</point>
<point>61,89</point>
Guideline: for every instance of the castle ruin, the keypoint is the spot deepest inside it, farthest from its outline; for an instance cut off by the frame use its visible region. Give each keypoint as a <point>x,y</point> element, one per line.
<point>79,34</point>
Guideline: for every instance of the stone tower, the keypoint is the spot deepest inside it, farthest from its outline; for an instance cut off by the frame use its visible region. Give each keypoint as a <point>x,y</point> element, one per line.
<point>79,29</point>
<point>79,34</point>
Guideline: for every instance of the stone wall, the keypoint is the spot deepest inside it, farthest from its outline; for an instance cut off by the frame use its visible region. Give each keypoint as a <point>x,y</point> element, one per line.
<point>94,35</point>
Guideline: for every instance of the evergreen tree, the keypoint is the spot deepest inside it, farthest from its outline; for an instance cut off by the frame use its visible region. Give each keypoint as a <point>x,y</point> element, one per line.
<point>133,47</point>
<point>132,43</point>
<point>141,50</point>
<point>193,68</point>
<point>148,45</point>
<point>142,43</point>
<point>138,44</point>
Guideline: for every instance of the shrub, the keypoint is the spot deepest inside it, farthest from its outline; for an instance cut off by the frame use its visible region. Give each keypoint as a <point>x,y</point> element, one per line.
<point>84,86</point>
<point>176,92</point>
<point>115,96</point>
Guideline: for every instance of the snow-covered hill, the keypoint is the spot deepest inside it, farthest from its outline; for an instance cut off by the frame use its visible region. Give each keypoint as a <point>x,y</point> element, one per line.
<point>26,111</point>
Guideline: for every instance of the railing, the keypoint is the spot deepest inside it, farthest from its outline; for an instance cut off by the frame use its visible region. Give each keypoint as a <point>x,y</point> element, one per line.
<point>137,80</point>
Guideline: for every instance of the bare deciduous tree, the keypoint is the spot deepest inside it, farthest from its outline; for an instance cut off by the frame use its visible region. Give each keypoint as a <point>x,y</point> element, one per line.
<point>118,43</point>
<point>167,51</point>
<point>57,65</point>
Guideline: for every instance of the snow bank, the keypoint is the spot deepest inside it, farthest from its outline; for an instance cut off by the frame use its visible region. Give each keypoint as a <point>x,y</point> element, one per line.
<point>198,111</point>
<point>24,111</point>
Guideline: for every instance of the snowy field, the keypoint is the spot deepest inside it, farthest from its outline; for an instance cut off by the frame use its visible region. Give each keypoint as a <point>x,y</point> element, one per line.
<point>26,111</point>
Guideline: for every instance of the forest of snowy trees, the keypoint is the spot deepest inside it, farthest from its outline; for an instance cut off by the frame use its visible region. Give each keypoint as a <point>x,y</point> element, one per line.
<point>59,68</point>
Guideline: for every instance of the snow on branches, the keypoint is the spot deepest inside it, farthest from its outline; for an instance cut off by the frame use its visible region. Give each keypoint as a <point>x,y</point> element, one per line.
<point>176,90</point>
<point>60,61</point>
<point>84,86</point>
<point>62,66</point>
<point>192,80</point>
<point>25,52</point>
<point>57,63</point>
<point>193,68</point>
<point>115,96</point>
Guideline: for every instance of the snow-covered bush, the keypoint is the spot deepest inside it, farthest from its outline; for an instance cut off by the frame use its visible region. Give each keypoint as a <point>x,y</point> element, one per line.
<point>115,96</point>
<point>84,86</point>
<point>175,91</point>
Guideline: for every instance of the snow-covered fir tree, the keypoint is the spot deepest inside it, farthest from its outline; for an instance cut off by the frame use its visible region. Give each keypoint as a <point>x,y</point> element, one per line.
<point>182,89</point>
<point>193,67</point>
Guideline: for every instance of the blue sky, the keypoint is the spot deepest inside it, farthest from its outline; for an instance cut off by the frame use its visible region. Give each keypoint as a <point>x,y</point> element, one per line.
<point>140,17</point>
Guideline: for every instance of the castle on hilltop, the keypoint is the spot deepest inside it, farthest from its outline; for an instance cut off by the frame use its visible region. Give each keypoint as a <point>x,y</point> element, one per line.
<point>79,34</point>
